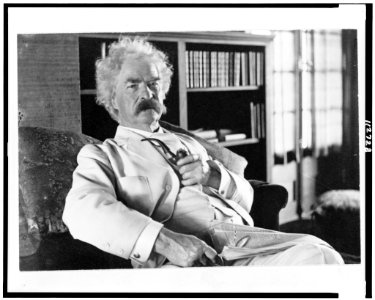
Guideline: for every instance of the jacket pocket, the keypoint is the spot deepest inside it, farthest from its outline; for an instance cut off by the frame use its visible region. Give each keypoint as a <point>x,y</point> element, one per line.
<point>135,192</point>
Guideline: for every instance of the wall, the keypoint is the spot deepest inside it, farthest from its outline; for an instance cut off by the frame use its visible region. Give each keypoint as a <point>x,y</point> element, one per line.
<point>48,81</point>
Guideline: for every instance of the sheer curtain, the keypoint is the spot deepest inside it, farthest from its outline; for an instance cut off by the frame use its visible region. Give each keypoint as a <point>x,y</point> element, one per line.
<point>317,55</point>
<point>328,91</point>
<point>307,112</point>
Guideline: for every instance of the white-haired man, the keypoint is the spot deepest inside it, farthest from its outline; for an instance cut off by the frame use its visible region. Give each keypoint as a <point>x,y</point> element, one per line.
<point>131,197</point>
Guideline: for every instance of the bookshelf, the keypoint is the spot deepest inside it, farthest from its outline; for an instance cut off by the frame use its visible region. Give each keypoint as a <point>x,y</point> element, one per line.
<point>220,82</point>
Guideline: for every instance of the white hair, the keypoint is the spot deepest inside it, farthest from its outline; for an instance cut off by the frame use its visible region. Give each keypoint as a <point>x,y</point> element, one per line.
<point>108,68</point>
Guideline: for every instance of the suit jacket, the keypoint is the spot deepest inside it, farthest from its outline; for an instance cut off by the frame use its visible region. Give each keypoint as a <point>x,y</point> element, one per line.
<point>122,187</point>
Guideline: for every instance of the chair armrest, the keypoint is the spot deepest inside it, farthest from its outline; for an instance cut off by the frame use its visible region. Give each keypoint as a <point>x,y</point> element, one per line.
<point>269,199</point>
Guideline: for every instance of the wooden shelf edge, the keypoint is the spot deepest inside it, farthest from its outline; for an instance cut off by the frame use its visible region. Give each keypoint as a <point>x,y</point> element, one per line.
<point>223,89</point>
<point>209,89</point>
<point>225,37</point>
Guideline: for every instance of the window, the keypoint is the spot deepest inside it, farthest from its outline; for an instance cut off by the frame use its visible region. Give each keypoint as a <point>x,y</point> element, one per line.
<point>284,95</point>
<point>328,91</point>
<point>307,93</point>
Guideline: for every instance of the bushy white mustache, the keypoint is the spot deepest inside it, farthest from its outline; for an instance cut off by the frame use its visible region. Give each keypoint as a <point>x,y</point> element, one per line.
<point>151,104</point>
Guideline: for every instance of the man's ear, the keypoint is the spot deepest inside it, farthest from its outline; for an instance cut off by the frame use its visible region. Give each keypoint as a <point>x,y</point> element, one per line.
<point>114,103</point>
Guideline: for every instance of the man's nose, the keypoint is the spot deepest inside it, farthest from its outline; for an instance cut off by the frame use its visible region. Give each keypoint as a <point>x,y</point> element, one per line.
<point>146,93</point>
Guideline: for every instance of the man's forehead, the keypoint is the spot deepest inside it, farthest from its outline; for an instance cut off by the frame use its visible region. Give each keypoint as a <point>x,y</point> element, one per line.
<point>137,69</point>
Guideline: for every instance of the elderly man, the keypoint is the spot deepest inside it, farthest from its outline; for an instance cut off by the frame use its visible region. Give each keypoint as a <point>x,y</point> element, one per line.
<point>157,197</point>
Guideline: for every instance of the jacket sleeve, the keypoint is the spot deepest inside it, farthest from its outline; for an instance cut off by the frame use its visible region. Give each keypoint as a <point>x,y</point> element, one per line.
<point>234,187</point>
<point>94,215</point>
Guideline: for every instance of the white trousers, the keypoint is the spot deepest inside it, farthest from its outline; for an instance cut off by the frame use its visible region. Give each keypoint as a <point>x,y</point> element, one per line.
<point>304,254</point>
<point>242,245</point>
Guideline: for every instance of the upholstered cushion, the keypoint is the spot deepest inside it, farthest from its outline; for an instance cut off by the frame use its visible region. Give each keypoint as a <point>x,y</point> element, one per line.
<point>47,159</point>
<point>337,219</point>
<point>229,159</point>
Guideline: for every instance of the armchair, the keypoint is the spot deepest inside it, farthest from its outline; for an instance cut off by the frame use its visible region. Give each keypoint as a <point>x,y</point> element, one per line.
<point>47,158</point>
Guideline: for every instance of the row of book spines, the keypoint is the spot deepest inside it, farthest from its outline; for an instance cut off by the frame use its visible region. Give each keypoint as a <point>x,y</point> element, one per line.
<point>257,120</point>
<point>223,69</point>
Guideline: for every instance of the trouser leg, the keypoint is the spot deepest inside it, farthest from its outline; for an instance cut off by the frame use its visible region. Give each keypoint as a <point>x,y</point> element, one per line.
<point>303,254</point>
<point>294,249</point>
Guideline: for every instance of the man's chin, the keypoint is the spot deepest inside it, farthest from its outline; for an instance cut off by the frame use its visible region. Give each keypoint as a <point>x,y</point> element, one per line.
<point>151,114</point>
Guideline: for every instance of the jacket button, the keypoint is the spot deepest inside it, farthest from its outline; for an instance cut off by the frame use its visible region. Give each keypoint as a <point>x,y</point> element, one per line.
<point>222,192</point>
<point>136,255</point>
<point>168,187</point>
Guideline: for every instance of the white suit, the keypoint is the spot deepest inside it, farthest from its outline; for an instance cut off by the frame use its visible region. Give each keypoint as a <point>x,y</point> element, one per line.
<point>124,192</point>
<point>132,171</point>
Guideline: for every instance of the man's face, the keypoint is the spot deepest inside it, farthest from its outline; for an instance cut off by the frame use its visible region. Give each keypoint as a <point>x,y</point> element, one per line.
<point>138,94</point>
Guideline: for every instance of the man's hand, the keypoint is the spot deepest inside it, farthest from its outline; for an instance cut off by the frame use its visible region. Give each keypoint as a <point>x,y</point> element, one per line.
<point>195,171</point>
<point>183,250</point>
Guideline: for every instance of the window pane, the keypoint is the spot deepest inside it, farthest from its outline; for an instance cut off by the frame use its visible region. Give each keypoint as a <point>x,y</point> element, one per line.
<point>278,93</point>
<point>306,90</point>
<point>288,53</point>
<point>306,129</point>
<point>278,134</point>
<point>306,48</point>
<point>309,49</point>
<point>277,54</point>
<point>321,130</point>
<point>334,127</point>
<point>334,90</point>
<point>334,55</point>
<point>289,131</point>
<point>289,91</point>
<point>319,51</point>
<point>320,90</point>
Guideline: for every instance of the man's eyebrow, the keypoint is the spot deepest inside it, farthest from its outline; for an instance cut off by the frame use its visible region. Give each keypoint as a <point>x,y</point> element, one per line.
<point>133,80</point>
<point>136,80</point>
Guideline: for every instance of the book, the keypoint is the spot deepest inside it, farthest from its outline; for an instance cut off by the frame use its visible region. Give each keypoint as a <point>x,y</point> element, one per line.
<point>204,71</point>
<point>187,74</point>
<point>236,79</point>
<point>200,60</point>
<point>208,77</point>
<point>263,118</point>
<point>235,137</point>
<point>213,67</point>
<point>213,140</point>
<point>231,69</point>
<point>191,69</point>
<point>226,68</point>
<point>243,69</point>
<point>257,69</point>
<point>251,64</point>
<point>195,69</point>
<point>252,120</point>
<point>205,134</point>
<point>261,69</point>
<point>258,121</point>
<point>220,68</point>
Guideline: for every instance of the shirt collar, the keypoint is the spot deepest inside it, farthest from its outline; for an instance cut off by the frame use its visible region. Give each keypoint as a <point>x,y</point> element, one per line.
<point>123,133</point>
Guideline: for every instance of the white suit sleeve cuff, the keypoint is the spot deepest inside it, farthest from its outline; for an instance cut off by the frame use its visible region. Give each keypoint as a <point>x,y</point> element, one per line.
<point>145,242</point>
<point>226,183</point>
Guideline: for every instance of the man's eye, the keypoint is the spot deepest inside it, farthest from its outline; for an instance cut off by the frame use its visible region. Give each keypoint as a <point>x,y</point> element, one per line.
<point>154,84</point>
<point>132,86</point>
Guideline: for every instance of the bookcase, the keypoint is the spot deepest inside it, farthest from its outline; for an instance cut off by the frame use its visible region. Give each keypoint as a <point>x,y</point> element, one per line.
<point>220,89</point>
